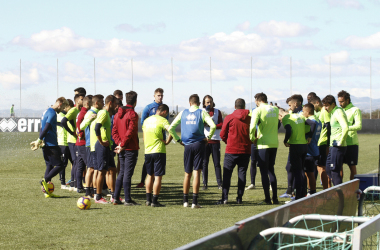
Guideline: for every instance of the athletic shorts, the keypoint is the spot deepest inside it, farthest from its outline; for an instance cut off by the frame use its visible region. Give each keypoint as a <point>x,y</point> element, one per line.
<point>52,155</point>
<point>104,158</point>
<point>310,163</point>
<point>322,155</point>
<point>254,154</point>
<point>66,156</point>
<point>193,156</point>
<point>155,164</point>
<point>352,155</point>
<point>82,155</point>
<point>335,159</point>
<point>94,163</point>
<point>89,160</point>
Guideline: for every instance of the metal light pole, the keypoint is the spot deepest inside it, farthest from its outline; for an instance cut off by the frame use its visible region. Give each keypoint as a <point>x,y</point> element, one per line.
<point>370,88</point>
<point>291,91</point>
<point>132,71</point>
<point>94,77</point>
<point>20,87</point>
<point>172,86</point>
<point>330,75</point>
<point>210,78</point>
<point>251,84</point>
<point>57,79</point>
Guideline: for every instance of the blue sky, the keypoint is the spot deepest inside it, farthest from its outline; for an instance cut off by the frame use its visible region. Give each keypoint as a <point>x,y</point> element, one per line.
<point>151,32</point>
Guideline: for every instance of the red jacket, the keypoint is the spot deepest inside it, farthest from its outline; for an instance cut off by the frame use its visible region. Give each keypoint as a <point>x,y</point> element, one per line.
<point>235,132</point>
<point>125,128</point>
<point>81,140</point>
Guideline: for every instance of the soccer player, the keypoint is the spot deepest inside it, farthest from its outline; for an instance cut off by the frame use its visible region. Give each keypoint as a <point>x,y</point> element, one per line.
<point>69,123</point>
<point>312,148</point>
<point>317,103</point>
<point>192,132</point>
<point>295,140</point>
<point>338,144</point>
<point>235,133</point>
<point>103,146</point>
<point>125,134</point>
<point>80,90</point>
<point>213,146</point>
<point>149,110</point>
<point>49,143</point>
<point>81,144</point>
<point>119,95</point>
<point>295,104</point>
<point>253,169</point>
<point>265,118</point>
<point>155,153</point>
<point>13,110</point>
<point>310,96</point>
<point>354,118</point>
<point>62,141</point>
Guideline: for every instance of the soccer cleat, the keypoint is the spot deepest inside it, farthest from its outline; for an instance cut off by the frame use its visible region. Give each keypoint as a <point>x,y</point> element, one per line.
<point>116,202</point>
<point>220,187</point>
<point>204,187</point>
<point>132,203</point>
<point>71,189</point>
<point>221,202</point>
<point>286,195</point>
<point>270,187</point>
<point>63,186</point>
<point>51,196</point>
<point>101,201</point>
<point>268,202</point>
<point>140,185</point>
<point>157,205</point>
<point>75,189</point>
<point>250,187</point>
<point>148,203</point>
<point>291,199</point>
<point>81,191</point>
<point>185,204</point>
<point>196,206</point>
<point>120,199</point>
<point>45,185</point>
<point>239,201</point>
<point>68,182</point>
<point>276,202</point>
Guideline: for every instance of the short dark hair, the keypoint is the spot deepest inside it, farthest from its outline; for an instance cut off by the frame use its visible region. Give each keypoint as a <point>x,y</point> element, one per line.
<point>345,95</point>
<point>61,100</point>
<point>118,92</point>
<point>261,97</point>
<point>90,96</point>
<point>118,102</point>
<point>329,99</point>
<point>312,94</point>
<point>159,90</point>
<point>87,99</point>
<point>204,100</point>
<point>131,97</point>
<point>315,99</point>
<point>77,96</point>
<point>97,98</point>
<point>71,103</point>
<point>80,90</point>
<point>109,98</point>
<point>240,103</point>
<point>163,107</point>
<point>297,98</point>
<point>194,99</point>
<point>310,107</point>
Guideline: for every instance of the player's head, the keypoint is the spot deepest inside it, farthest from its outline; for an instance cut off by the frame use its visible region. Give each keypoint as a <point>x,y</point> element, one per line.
<point>344,98</point>
<point>158,95</point>
<point>110,104</point>
<point>118,94</point>
<point>194,100</point>
<point>162,110</point>
<point>311,95</point>
<point>308,110</point>
<point>208,101</point>
<point>78,99</point>
<point>12,104</point>
<point>294,102</point>
<point>59,104</point>
<point>87,102</point>
<point>131,98</point>
<point>329,103</point>
<point>118,104</point>
<point>80,90</point>
<point>98,101</point>
<point>260,98</point>
<point>316,101</point>
<point>239,103</point>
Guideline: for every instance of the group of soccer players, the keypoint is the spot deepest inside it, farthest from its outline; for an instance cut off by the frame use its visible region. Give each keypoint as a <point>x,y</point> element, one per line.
<point>91,131</point>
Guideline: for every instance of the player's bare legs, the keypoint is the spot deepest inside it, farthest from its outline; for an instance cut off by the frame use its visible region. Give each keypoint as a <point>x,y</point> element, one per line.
<point>149,183</point>
<point>111,181</point>
<point>186,183</point>
<point>196,181</point>
<point>311,181</point>
<point>157,185</point>
<point>353,172</point>
<point>323,176</point>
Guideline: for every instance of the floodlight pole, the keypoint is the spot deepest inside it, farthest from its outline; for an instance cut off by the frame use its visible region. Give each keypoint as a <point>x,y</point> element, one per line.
<point>210,78</point>
<point>330,74</point>
<point>291,92</point>
<point>172,86</point>
<point>57,79</point>
<point>20,87</point>
<point>370,87</point>
<point>132,71</point>
<point>251,85</point>
<point>94,77</point>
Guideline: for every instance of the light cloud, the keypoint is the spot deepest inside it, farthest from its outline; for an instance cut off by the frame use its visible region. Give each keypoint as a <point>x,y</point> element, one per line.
<point>243,26</point>
<point>283,29</point>
<point>158,27</point>
<point>347,4</point>
<point>11,79</point>
<point>341,57</point>
<point>368,42</point>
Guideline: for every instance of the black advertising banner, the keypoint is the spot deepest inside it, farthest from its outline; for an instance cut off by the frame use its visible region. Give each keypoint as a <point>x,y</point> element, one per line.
<point>20,124</point>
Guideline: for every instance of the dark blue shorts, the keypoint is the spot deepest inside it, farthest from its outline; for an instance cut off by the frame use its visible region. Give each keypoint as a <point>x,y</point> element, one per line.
<point>94,162</point>
<point>52,156</point>
<point>296,157</point>
<point>66,156</point>
<point>352,155</point>
<point>193,156</point>
<point>254,154</point>
<point>104,158</point>
<point>310,163</point>
<point>231,160</point>
<point>89,159</point>
<point>322,155</point>
<point>155,164</point>
<point>73,151</point>
<point>82,155</point>
<point>335,159</point>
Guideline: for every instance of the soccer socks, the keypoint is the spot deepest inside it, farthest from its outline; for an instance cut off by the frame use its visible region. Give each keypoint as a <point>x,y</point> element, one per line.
<point>313,191</point>
<point>88,191</point>
<point>155,199</point>
<point>185,198</point>
<point>195,198</point>
<point>98,197</point>
<point>149,197</point>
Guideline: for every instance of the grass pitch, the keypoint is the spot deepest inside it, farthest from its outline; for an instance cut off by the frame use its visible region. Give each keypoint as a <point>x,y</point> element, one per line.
<point>29,221</point>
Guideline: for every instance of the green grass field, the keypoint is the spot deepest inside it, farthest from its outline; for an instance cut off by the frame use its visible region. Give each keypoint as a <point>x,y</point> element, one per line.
<point>29,221</point>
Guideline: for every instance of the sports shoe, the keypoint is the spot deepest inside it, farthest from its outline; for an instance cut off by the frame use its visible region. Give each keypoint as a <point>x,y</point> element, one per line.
<point>120,199</point>
<point>268,202</point>
<point>196,206</point>
<point>140,185</point>
<point>239,201</point>
<point>220,187</point>
<point>51,196</point>
<point>221,202</point>
<point>185,204</point>
<point>71,188</point>
<point>132,203</point>
<point>157,205</point>
<point>148,203</point>
<point>101,201</point>
<point>81,191</point>
<point>291,199</point>
<point>68,182</point>
<point>250,187</point>
<point>204,187</point>
<point>270,187</point>
<point>117,202</point>
<point>44,184</point>
<point>276,202</point>
<point>286,195</point>
<point>75,189</point>
<point>63,186</point>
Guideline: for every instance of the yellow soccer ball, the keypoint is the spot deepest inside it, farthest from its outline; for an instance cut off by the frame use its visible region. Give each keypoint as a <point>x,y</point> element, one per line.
<point>50,186</point>
<point>84,203</point>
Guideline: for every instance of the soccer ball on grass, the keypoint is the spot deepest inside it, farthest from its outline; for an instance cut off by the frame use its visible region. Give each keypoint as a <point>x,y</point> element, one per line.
<point>50,186</point>
<point>84,203</point>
